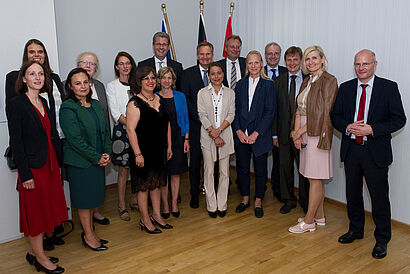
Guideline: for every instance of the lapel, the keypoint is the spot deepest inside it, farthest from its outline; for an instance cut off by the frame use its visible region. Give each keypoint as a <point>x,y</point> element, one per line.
<point>374,98</point>
<point>210,105</point>
<point>198,75</point>
<point>32,111</point>
<point>352,100</point>
<point>151,63</point>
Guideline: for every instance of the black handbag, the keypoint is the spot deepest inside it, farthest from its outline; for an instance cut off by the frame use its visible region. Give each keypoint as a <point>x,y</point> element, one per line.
<point>10,159</point>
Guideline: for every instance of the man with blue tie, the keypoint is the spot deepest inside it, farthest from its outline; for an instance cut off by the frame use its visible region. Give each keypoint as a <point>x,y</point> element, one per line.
<point>367,110</point>
<point>272,56</point>
<point>193,79</point>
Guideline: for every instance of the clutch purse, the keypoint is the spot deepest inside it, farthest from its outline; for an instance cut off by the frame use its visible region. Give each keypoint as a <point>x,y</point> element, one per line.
<point>10,159</point>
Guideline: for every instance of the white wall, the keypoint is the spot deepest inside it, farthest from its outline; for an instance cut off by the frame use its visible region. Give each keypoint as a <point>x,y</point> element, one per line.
<point>341,28</point>
<point>18,26</point>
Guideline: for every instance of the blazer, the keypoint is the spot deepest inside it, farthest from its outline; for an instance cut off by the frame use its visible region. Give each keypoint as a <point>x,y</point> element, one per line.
<point>281,125</point>
<point>176,66</point>
<point>282,70</point>
<point>207,116</point>
<point>242,66</point>
<point>28,140</point>
<point>118,96</point>
<point>385,116</point>
<point>11,79</point>
<point>191,83</point>
<point>320,101</point>
<point>81,134</point>
<point>261,113</point>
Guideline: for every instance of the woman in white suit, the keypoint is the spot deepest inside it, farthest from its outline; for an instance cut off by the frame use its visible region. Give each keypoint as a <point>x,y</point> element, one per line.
<point>216,110</point>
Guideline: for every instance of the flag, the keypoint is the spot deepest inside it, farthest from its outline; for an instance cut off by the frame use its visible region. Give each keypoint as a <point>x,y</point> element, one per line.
<point>164,29</point>
<point>201,31</point>
<point>227,34</point>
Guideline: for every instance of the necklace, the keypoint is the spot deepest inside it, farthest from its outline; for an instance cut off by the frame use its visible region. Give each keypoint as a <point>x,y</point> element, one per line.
<point>149,99</point>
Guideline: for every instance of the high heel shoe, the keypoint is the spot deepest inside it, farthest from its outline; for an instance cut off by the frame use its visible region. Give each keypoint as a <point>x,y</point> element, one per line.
<point>165,215</point>
<point>133,206</point>
<point>166,226</point>
<point>30,259</point>
<point>100,248</point>
<point>40,267</point>
<point>176,213</point>
<point>102,241</point>
<point>143,227</point>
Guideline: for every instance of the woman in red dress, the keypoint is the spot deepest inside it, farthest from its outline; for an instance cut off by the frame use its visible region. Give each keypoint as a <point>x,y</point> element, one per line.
<point>37,151</point>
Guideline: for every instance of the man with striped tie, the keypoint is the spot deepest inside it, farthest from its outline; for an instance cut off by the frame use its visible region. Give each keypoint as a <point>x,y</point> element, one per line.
<point>234,66</point>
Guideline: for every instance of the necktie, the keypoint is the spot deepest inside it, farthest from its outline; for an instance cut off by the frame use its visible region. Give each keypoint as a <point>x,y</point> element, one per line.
<point>360,113</point>
<point>273,73</point>
<point>233,76</point>
<point>292,91</point>
<point>160,64</point>
<point>205,79</point>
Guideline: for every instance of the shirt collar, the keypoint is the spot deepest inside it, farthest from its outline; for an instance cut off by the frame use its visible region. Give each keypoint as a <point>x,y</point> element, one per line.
<point>370,82</point>
<point>201,68</point>
<point>269,67</point>
<point>298,74</point>
<point>164,62</point>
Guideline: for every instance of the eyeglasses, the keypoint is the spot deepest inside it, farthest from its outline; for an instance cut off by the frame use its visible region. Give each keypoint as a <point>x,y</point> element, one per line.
<point>124,64</point>
<point>88,63</point>
<point>146,78</point>
<point>365,65</point>
<point>235,47</point>
<point>161,45</point>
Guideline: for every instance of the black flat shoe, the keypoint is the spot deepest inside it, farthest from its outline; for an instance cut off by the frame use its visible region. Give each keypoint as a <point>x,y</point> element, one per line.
<point>379,251</point>
<point>287,207</point>
<point>31,258</point>
<point>55,240</point>
<point>47,245</point>
<point>212,214</point>
<point>176,213</point>
<point>258,212</point>
<point>99,248</point>
<point>222,213</point>
<point>104,221</point>
<point>143,227</point>
<point>166,226</point>
<point>349,237</point>
<point>194,203</point>
<point>165,215</point>
<point>241,207</point>
<point>102,241</point>
<point>40,267</point>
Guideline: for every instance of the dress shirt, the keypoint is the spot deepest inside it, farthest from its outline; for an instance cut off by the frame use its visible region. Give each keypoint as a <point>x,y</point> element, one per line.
<point>202,70</point>
<point>229,70</point>
<point>217,103</point>
<point>157,61</point>
<point>117,96</point>
<point>367,103</point>
<point>251,91</point>
<point>298,80</point>
<point>268,68</point>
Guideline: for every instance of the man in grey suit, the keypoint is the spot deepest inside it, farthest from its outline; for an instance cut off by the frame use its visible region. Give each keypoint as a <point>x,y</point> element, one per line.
<point>287,86</point>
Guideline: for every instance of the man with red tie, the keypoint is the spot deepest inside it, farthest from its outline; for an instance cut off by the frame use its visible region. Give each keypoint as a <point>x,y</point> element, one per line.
<point>367,111</point>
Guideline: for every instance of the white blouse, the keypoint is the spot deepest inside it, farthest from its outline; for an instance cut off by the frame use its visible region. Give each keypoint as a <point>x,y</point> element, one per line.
<point>118,96</point>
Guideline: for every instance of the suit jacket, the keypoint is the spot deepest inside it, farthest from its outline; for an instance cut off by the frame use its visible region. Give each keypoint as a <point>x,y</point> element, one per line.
<point>28,140</point>
<point>176,66</point>
<point>261,113</point>
<point>385,116</point>
<point>11,79</point>
<point>281,125</point>
<point>191,83</point>
<point>282,70</point>
<point>81,134</point>
<point>242,65</point>
<point>207,117</point>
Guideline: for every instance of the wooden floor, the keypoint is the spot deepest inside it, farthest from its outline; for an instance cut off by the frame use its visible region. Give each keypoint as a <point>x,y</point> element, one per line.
<point>238,243</point>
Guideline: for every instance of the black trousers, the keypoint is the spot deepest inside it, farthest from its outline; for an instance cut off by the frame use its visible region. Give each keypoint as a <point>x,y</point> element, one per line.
<point>195,157</point>
<point>243,164</point>
<point>359,164</point>
<point>275,178</point>
<point>288,154</point>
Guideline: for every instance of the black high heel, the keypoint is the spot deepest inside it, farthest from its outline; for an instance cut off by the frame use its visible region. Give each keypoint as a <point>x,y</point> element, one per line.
<point>166,226</point>
<point>176,213</point>
<point>100,248</point>
<point>30,259</point>
<point>40,267</point>
<point>102,241</point>
<point>143,227</point>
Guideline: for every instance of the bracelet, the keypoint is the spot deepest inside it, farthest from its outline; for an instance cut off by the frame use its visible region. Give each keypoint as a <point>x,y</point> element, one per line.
<point>138,154</point>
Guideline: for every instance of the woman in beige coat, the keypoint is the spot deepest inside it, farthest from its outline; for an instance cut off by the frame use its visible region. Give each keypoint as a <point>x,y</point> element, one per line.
<point>216,110</point>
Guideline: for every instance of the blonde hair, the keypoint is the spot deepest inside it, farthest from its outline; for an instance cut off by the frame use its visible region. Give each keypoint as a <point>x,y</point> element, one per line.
<point>321,54</point>
<point>263,73</point>
<point>161,73</point>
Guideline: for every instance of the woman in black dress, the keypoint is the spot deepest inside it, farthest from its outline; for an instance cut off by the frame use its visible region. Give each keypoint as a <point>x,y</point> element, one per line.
<point>176,107</point>
<point>149,135</point>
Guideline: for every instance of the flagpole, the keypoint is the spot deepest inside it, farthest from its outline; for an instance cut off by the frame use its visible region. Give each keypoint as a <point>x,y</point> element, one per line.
<point>164,11</point>
<point>231,9</point>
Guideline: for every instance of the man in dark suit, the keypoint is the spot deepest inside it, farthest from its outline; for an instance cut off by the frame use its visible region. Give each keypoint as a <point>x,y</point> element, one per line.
<point>193,79</point>
<point>367,111</point>
<point>287,86</point>
<point>273,70</point>
<point>234,67</point>
<point>160,46</point>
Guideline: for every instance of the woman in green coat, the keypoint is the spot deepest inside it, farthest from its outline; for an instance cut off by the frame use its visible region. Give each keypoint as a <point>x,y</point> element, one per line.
<point>87,151</point>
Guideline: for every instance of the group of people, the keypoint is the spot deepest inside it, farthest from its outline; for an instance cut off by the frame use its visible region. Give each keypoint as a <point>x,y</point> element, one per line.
<point>61,131</point>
